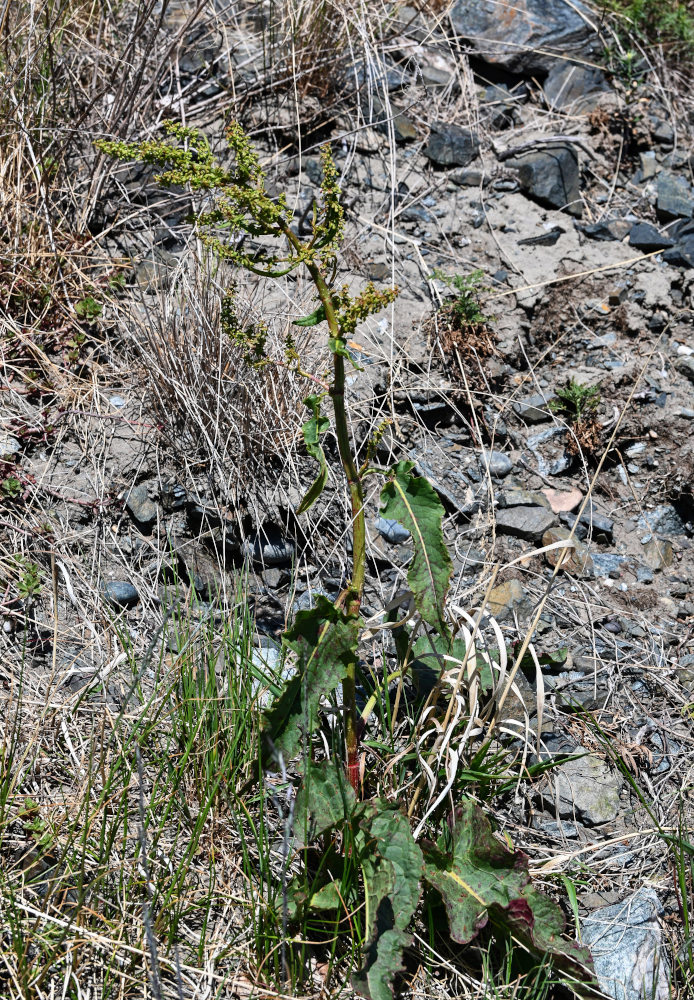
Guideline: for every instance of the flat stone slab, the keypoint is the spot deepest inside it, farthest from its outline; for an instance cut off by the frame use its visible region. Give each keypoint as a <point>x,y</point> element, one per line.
<point>625,941</point>
<point>524,36</point>
<point>525,522</point>
<point>588,788</point>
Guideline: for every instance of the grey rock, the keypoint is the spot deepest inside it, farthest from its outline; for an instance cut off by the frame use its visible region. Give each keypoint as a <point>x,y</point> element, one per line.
<point>649,165</point>
<point>647,238</point>
<point>9,446</point>
<point>451,145</point>
<point>469,177</point>
<point>454,489</point>
<point>499,465</point>
<point>307,600</point>
<point>616,229</point>
<point>590,522</point>
<point>548,449</point>
<point>523,36</point>
<point>551,177</point>
<point>663,132</point>
<point>392,531</point>
<point>626,943</point>
<point>559,829</point>
<point>663,520</point>
<point>666,751</point>
<point>268,546</point>
<point>681,255</point>
<point>534,409</point>
<point>572,87</point>
<point>499,106</point>
<point>516,496</point>
<point>142,510</point>
<point>675,198</point>
<point>685,366</point>
<point>608,564</point>
<point>588,788</point>
<point>120,594</point>
<point>173,497</point>
<point>525,522</point>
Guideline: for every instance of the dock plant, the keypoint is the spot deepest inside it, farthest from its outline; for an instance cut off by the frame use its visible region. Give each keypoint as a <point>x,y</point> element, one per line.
<point>369,858</point>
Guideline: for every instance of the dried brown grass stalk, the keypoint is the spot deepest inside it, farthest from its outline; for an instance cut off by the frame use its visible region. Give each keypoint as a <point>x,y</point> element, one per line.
<point>212,403</point>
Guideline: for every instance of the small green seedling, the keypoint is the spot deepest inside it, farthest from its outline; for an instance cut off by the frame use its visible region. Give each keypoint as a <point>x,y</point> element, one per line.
<point>88,308</point>
<point>465,307</point>
<point>28,578</point>
<point>576,402</point>
<point>10,487</point>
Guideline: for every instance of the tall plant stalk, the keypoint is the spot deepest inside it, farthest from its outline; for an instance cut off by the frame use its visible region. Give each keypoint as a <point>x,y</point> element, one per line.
<point>246,207</point>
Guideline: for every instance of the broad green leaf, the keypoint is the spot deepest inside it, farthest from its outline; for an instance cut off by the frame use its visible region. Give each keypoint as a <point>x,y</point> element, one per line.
<point>326,897</point>
<point>412,501</point>
<point>324,640</point>
<point>391,864</point>
<point>317,316</point>
<point>312,430</point>
<point>480,880</point>
<point>324,801</point>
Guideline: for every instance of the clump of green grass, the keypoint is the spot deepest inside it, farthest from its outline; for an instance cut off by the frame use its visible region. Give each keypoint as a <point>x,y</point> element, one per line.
<point>578,405</point>
<point>461,325</point>
<point>666,22</point>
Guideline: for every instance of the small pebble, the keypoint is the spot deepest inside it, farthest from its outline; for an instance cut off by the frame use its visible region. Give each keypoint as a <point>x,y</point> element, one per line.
<point>120,594</point>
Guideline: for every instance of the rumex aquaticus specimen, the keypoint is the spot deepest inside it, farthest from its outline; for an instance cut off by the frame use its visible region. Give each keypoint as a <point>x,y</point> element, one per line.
<point>478,879</point>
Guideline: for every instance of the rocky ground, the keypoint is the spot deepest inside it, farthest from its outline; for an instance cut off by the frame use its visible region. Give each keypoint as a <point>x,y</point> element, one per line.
<point>538,153</point>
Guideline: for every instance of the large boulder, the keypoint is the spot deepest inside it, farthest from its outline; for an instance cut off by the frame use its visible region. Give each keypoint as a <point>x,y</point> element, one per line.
<point>525,36</point>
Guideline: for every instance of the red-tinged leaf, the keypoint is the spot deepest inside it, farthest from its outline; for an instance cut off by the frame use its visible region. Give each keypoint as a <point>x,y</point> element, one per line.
<point>480,880</point>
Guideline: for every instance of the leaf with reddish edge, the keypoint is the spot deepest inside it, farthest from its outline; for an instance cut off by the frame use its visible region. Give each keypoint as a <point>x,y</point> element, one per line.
<point>480,880</point>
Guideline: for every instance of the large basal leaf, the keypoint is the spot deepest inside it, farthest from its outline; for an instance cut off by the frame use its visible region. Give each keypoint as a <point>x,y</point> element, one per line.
<point>481,880</point>
<point>324,640</point>
<point>324,801</point>
<point>412,501</point>
<point>391,863</point>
